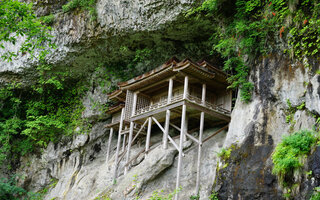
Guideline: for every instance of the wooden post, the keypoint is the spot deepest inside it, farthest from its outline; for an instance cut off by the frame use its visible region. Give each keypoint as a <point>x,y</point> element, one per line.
<point>148,135</point>
<point>182,129</point>
<point>167,123</point>
<point>118,146</point>
<point>185,88</point>
<point>200,139</point>
<point>180,148</point>
<point>109,144</point>
<point>124,142</point>
<point>131,131</point>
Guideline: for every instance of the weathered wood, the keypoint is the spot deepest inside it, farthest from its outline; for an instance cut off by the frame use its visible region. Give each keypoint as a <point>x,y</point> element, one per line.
<point>185,88</point>
<point>124,142</point>
<point>166,128</point>
<point>118,146</point>
<point>109,145</point>
<point>135,95</point>
<point>174,144</point>
<point>187,134</point>
<point>209,111</point>
<point>199,152</point>
<point>183,117</point>
<point>148,134</point>
<point>153,112</point>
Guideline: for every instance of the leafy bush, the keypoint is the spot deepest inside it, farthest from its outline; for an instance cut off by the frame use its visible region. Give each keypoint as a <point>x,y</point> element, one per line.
<point>316,194</point>
<point>82,4</point>
<point>158,196</point>
<point>9,190</point>
<point>287,155</point>
<point>213,196</point>
<point>48,20</point>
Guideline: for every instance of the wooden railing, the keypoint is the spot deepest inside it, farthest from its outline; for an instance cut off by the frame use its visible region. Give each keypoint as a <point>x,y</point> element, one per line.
<point>177,98</point>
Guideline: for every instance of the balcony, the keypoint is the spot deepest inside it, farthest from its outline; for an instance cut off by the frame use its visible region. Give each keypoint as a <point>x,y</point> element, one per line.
<point>177,98</point>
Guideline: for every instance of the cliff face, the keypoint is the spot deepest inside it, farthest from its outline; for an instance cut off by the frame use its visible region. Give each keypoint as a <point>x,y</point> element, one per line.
<point>258,127</point>
<point>121,28</point>
<point>76,168</point>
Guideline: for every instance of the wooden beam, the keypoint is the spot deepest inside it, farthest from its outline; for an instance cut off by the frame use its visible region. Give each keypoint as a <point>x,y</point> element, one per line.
<point>124,142</point>
<point>166,128</point>
<point>148,134</point>
<point>199,151</point>
<point>155,84</point>
<point>183,118</point>
<point>187,134</point>
<point>118,147</point>
<point>109,145</point>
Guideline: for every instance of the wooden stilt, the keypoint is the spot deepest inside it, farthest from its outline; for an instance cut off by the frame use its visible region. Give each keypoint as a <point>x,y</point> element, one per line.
<point>199,152</point>
<point>109,144</point>
<point>129,146</point>
<point>200,139</point>
<point>148,134</point>
<point>180,149</point>
<point>131,131</point>
<point>124,142</point>
<point>118,147</point>
<point>182,129</point>
<point>166,129</point>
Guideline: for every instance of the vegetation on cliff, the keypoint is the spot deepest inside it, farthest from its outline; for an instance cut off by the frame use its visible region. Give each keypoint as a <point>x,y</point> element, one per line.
<point>289,156</point>
<point>247,30</point>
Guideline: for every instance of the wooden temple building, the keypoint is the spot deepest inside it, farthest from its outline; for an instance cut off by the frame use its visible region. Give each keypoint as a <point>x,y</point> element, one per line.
<point>169,96</point>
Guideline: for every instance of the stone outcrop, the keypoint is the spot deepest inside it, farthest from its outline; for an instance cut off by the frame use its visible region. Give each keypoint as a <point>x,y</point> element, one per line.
<point>263,124</point>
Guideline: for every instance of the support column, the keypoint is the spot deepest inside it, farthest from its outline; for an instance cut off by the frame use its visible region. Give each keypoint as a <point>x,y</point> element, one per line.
<point>124,142</point>
<point>109,144</point>
<point>167,123</point>
<point>131,131</point>
<point>185,88</point>
<point>148,135</point>
<point>200,139</point>
<point>183,118</point>
<point>118,146</point>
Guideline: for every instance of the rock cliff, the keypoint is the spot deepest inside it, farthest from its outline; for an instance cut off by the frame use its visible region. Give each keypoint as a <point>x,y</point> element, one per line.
<point>76,168</point>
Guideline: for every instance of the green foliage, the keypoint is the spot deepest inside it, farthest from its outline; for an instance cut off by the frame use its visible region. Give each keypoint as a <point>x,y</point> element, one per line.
<point>9,190</point>
<point>89,5</point>
<point>225,153</point>
<point>17,20</point>
<point>316,194</point>
<point>213,196</point>
<point>33,118</point>
<point>195,197</point>
<point>289,153</point>
<point>158,196</point>
<point>48,19</point>
<point>248,29</point>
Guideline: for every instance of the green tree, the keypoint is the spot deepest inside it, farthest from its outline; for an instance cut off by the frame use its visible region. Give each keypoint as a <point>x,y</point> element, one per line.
<point>17,21</point>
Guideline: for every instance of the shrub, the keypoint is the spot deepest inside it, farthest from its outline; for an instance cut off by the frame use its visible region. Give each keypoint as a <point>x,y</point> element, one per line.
<point>9,190</point>
<point>82,4</point>
<point>288,154</point>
